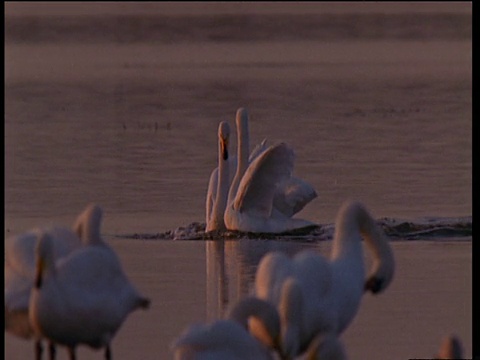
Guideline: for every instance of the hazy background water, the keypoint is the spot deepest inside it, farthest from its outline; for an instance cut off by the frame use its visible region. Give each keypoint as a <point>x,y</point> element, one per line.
<point>120,103</point>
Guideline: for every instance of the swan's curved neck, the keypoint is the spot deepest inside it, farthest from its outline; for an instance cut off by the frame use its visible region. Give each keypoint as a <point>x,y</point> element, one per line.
<point>260,318</point>
<point>243,148</point>
<point>353,223</point>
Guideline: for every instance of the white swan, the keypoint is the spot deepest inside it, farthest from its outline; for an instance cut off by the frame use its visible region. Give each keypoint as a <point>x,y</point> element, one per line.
<point>315,295</point>
<point>230,338</point>
<point>20,274</point>
<point>217,199</point>
<point>84,297</point>
<point>251,209</point>
<point>291,194</point>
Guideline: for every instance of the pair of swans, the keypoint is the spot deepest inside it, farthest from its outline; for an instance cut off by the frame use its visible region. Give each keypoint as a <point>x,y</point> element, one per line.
<point>316,296</point>
<point>263,195</point>
<point>82,297</point>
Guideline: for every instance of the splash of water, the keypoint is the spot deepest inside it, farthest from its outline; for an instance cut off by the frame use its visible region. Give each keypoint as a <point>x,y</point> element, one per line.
<point>396,229</point>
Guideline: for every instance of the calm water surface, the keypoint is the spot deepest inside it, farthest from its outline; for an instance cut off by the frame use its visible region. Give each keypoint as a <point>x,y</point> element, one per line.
<point>381,113</point>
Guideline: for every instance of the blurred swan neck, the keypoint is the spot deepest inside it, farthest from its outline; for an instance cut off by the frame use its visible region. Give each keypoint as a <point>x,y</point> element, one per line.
<point>88,225</point>
<point>353,223</point>
<point>291,315</point>
<point>44,260</point>
<point>260,318</point>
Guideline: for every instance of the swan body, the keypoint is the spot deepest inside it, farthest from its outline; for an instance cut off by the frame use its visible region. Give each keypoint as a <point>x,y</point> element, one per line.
<point>84,297</point>
<point>230,338</point>
<point>251,209</point>
<point>326,347</point>
<point>20,274</point>
<point>291,194</point>
<point>20,267</point>
<point>316,295</point>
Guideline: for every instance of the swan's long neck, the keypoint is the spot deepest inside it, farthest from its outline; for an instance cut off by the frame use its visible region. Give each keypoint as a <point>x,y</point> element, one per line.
<point>44,259</point>
<point>243,148</point>
<point>291,315</point>
<point>220,203</point>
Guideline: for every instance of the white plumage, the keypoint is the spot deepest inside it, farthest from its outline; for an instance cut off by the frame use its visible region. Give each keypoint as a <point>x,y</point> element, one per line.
<point>85,297</point>
<point>316,295</point>
<point>290,194</point>
<point>20,274</point>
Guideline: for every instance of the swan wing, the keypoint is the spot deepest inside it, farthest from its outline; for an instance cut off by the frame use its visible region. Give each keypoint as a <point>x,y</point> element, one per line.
<point>292,195</point>
<point>20,253</point>
<point>96,297</point>
<point>257,150</point>
<point>17,290</point>
<point>257,187</point>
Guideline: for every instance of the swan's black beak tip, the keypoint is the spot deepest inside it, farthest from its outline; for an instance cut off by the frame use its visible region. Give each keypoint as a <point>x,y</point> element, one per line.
<point>374,284</point>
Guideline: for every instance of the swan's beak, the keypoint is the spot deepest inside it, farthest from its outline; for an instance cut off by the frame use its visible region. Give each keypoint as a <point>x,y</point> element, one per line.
<point>374,284</point>
<point>39,272</point>
<point>224,144</point>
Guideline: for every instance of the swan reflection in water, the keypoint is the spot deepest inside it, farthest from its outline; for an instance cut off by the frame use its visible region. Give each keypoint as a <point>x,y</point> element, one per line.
<point>231,267</point>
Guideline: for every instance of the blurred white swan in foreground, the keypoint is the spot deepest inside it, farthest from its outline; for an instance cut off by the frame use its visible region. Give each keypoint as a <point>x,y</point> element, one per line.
<point>84,297</point>
<point>319,296</point>
<point>290,195</point>
<point>20,275</point>
<point>230,338</point>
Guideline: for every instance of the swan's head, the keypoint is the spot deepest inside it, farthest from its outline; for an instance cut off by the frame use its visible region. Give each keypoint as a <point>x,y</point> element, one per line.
<point>87,225</point>
<point>241,116</point>
<point>383,267</point>
<point>223,138</point>
<point>43,257</point>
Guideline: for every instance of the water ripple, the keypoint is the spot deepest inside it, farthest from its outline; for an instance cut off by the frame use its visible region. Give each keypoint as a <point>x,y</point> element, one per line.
<point>430,228</point>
